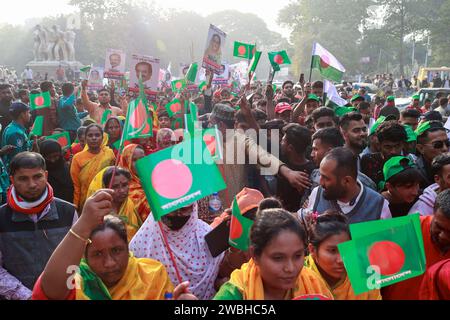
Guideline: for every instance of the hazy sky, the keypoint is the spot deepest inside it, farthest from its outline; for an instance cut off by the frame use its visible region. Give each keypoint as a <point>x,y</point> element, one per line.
<point>17,11</point>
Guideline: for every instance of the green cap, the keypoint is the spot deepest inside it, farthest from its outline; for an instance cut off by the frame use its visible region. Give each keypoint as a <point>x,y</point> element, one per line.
<point>390,98</point>
<point>313,97</point>
<point>356,97</point>
<point>340,111</point>
<point>375,126</point>
<point>394,166</point>
<point>422,128</point>
<point>411,135</point>
<point>415,97</point>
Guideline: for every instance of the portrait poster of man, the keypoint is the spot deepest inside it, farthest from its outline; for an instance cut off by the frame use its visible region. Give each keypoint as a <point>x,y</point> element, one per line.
<point>215,44</point>
<point>95,81</point>
<point>148,68</point>
<point>224,77</point>
<point>114,64</point>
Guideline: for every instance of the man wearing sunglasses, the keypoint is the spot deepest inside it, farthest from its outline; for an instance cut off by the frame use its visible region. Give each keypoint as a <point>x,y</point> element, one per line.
<point>432,141</point>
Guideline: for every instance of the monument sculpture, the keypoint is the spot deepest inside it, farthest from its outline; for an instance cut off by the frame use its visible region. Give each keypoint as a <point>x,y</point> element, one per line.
<point>52,48</point>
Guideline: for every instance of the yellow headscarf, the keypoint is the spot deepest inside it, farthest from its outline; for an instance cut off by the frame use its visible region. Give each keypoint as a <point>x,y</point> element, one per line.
<point>144,279</point>
<point>342,290</point>
<point>127,212</point>
<point>249,282</point>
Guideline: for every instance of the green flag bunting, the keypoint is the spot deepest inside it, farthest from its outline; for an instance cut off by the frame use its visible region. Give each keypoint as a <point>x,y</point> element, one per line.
<point>278,58</point>
<point>40,100</point>
<point>239,229</point>
<point>243,50</point>
<point>178,176</point>
<point>383,252</point>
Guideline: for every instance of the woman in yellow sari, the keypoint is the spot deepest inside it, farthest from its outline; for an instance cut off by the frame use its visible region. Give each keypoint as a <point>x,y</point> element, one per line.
<point>108,270</point>
<point>123,206</point>
<point>130,154</point>
<point>87,163</point>
<point>275,271</point>
<point>325,232</point>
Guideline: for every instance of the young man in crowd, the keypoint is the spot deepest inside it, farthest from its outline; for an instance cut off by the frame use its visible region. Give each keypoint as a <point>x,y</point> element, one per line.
<point>323,118</point>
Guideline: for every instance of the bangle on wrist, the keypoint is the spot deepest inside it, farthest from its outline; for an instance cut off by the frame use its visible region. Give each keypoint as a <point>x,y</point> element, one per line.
<point>86,241</point>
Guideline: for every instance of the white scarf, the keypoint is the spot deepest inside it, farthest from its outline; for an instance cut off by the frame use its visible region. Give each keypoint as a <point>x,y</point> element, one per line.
<point>25,204</point>
<point>191,253</point>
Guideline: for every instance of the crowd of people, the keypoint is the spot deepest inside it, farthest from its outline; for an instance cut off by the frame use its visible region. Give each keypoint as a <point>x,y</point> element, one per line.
<point>83,207</point>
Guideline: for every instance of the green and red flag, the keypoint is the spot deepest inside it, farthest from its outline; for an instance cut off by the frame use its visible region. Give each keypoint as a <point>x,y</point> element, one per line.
<point>40,100</point>
<point>173,108</point>
<point>178,176</point>
<point>383,252</point>
<point>178,85</point>
<point>202,86</point>
<point>239,229</point>
<point>329,67</point>
<point>278,59</point>
<point>105,116</point>
<point>86,68</point>
<point>244,50</point>
<point>191,117</point>
<point>177,123</point>
<point>213,141</point>
<point>254,62</point>
<point>138,123</point>
<point>62,138</point>
<point>191,74</point>
<point>37,128</point>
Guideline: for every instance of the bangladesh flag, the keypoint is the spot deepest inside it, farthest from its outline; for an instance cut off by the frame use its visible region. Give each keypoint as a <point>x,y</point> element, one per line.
<point>105,116</point>
<point>191,117</point>
<point>278,58</point>
<point>202,86</point>
<point>254,62</point>
<point>40,100</point>
<point>239,229</point>
<point>244,50</point>
<point>178,85</point>
<point>383,252</point>
<point>37,128</point>
<point>177,123</point>
<point>191,74</point>
<point>213,140</point>
<point>329,67</point>
<point>173,107</point>
<point>138,123</point>
<point>178,176</point>
<point>86,68</point>
<point>62,138</point>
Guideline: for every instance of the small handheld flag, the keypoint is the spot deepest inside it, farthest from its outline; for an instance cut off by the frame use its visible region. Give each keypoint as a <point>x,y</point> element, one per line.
<point>37,128</point>
<point>243,50</point>
<point>239,229</point>
<point>62,138</point>
<point>40,100</point>
<point>278,59</point>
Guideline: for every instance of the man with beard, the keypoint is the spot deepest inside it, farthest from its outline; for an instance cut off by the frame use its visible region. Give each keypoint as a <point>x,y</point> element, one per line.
<point>341,190</point>
<point>6,97</point>
<point>288,91</point>
<point>436,240</point>
<point>355,134</point>
<point>32,224</point>
<point>392,139</point>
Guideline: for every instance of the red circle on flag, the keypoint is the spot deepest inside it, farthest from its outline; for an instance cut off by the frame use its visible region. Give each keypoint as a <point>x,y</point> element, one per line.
<point>324,62</point>
<point>242,50</point>
<point>178,85</point>
<point>63,141</point>
<point>387,256</point>
<point>278,59</point>
<point>176,107</point>
<point>171,179</point>
<point>254,50</point>
<point>210,142</point>
<point>39,101</point>
<point>236,229</point>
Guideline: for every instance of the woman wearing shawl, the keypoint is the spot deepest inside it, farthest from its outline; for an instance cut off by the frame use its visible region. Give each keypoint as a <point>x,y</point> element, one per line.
<point>186,237</point>
<point>275,271</point>
<point>108,270</point>
<point>58,170</point>
<point>86,164</point>
<point>122,206</point>
<point>436,282</point>
<point>130,155</point>
<point>113,128</point>
<point>325,232</point>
